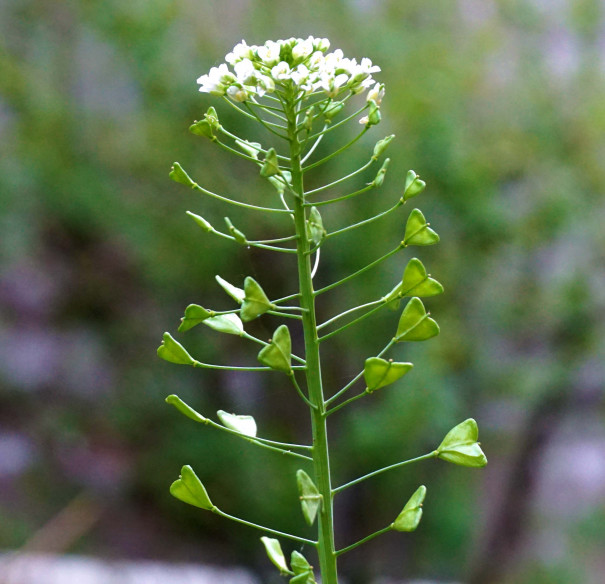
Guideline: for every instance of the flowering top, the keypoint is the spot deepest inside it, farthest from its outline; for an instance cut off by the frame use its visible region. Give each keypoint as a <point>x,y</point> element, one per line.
<point>301,65</point>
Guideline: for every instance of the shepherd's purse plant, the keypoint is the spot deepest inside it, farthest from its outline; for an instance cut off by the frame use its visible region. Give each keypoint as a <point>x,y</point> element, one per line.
<point>299,92</point>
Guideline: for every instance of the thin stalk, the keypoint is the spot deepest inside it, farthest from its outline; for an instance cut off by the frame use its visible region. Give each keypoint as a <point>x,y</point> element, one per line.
<point>263,151</point>
<point>238,203</point>
<point>252,338</point>
<point>358,272</point>
<point>353,322</point>
<point>366,221</point>
<point>284,314</point>
<point>253,244</point>
<point>321,457</point>
<point>344,178</point>
<point>347,402</point>
<point>234,368</point>
<point>312,149</point>
<point>337,124</point>
<point>263,528</point>
<point>354,309</point>
<point>384,469</point>
<point>344,197</point>
<point>268,125</point>
<point>301,393</point>
<point>336,152</point>
<point>364,540</point>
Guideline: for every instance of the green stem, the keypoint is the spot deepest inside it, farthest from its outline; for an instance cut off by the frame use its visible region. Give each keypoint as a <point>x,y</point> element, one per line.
<point>344,178</point>
<point>364,540</point>
<point>385,469</point>
<point>263,528</point>
<point>353,322</point>
<point>321,459</point>
<point>250,337</point>
<point>336,152</point>
<point>234,368</point>
<point>344,197</point>
<point>301,393</point>
<point>335,318</point>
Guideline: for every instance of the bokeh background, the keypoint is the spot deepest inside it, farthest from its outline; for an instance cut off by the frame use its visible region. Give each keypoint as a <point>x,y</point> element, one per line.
<point>499,105</point>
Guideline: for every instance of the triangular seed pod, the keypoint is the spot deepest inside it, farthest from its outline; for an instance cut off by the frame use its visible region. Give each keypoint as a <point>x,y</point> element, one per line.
<point>189,489</point>
<point>378,372</point>
<point>278,353</point>
<point>413,185</point>
<point>310,499</point>
<point>315,226</point>
<point>417,282</point>
<point>270,165</point>
<point>410,516</point>
<point>417,231</point>
<point>172,351</point>
<point>460,445</point>
<point>415,324</point>
<point>243,424</point>
<point>194,314</point>
<point>181,406</point>
<point>177,174</point>
<point>226,323</point>
<point>235,233</point>
<point>255,300</point>
<point>275,554</point>
<point>236,293</point>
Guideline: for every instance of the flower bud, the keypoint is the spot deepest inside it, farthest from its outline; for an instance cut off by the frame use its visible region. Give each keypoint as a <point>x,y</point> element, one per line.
<point>376,93</point>
<point>374,116</point>
<point>201,222</point>
<point>238,94</point>
<point>377,182</point>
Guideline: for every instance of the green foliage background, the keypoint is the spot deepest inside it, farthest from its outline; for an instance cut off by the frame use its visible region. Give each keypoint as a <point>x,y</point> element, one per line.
<point>499,106</point>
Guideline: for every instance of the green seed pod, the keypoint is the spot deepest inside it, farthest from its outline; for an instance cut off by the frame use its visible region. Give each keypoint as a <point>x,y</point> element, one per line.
<point>333,109</point>
<point>236,293</point>
<point>310,499</point>
<point>201,222</point>
<point>381,146</point>
<point>308,123</point>
<point>189,489</point>
<point>177,174</point>
<point>374,116</point>
<point>415,324</point>
<point>172,351</point>
<point>186,410</point>
<point>315,226</point>
<point>243,424</point>
<point>278,353</point>
<point>417,230</point>
<point>410,516</point>
<point>255,300</point>
<point>275,554</point>
<point>377,182</point>
<point>202,128</point>
<point>194,314</point>
<point>378,372</point>
<point>226,323</point>
<point>250,148</point>
<point>270,166</point>
<point>413,185</point>
<point>236,233</point>
<point>460,446</point>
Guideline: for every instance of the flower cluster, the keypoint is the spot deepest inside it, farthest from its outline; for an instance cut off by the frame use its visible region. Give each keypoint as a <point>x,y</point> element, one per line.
<point>293,64</point>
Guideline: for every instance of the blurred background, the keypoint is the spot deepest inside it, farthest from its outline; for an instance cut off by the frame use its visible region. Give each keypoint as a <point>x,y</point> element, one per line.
<point>499,105</point>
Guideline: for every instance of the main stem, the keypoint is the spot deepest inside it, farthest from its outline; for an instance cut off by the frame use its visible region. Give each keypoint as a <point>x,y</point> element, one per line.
<point>321,458</point>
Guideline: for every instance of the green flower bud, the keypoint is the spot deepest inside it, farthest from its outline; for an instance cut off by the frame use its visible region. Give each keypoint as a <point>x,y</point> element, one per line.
<point>374,116</point>
<point>172,351</point>
<point>460,446</point>
<point>189,489</point>
<point>413,185</point>
<point>381,146</point>
<point>333,109</point>
<point>177,174</point>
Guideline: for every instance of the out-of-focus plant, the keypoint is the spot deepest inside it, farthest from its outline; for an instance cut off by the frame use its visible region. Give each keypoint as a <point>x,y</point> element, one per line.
<point>297,90</point>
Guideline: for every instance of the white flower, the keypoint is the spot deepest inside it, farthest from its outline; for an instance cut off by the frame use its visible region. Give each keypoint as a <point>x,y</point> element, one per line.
<point>240,51</point>
<point>376,93</point>
<point>245,71</point>
<point>281,71</point>
<point>269,53</point>
<point>302,49</point>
